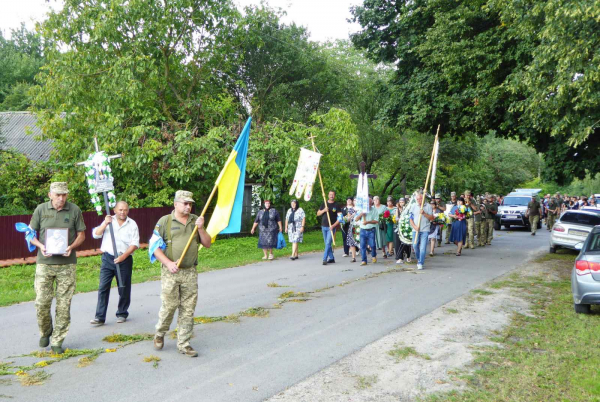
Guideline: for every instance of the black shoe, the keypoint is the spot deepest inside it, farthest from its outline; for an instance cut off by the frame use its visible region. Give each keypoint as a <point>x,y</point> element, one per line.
<point>330,261</point>
<point>324,262</point>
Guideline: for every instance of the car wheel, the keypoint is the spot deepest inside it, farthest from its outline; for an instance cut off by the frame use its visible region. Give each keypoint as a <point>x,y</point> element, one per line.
<point>506,226</point>
<point>582,308</point>
<point>497,225</point>
<point>552,250</point>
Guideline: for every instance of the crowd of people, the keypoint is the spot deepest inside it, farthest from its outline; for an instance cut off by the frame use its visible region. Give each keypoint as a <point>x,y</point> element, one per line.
<point>466,220</point>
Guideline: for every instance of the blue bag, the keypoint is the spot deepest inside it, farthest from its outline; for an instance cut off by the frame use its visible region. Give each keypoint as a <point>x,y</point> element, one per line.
<point>280,241</point>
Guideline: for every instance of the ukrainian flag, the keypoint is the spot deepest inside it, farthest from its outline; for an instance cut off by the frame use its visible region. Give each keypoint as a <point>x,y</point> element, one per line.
<point>227,216</point>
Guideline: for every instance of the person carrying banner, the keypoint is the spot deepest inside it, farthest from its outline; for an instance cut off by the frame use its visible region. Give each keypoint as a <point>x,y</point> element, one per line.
<point>330,209</point>
<point>56,270</point>
<point>179,284</point>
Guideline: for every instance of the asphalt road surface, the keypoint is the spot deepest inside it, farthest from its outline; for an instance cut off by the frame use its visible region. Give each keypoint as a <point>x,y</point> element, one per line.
<point>257,357</point>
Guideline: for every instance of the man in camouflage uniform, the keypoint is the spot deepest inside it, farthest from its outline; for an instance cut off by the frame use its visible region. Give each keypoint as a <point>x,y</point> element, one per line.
<point>440,205</point>
<point>480,228</point>
<point>449,229</point>
<point>179,285</point>
<point>491,209</point>
<point>59,269</point>
<point>553,210</point>
<point>533,211</point>
<point>470,202</point>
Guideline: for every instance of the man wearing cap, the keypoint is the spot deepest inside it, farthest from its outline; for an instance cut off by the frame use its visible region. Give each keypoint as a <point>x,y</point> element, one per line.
<point>489,216</point>
<point>127,239</point>
<point>450,220</point>
<point>533,211</point>
<point>179,285</point>
<point>553,210</point>
<point>475,215</point>
<point>58,213</point>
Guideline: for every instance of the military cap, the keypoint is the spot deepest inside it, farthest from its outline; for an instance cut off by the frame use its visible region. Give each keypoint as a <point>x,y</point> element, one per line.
<point>488,195</point>
<point>184,196</point>
<point>438,195</point>
<point>59,187</point>
<point>406,196</point>
<point>467,192</point>
<point>453,193</point>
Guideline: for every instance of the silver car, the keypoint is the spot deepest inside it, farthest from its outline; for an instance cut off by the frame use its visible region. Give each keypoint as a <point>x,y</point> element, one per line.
<point>585,278</point>
<point>572,227</point>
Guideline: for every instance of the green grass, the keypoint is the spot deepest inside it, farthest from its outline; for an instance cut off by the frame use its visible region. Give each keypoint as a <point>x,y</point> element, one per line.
<point>365,382</point>
<point>550,356</point>
<point>16,282</point>
<point>404,352</point>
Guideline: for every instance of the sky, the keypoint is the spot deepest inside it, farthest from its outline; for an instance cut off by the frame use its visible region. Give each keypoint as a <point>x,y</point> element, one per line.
<point>325,19</point>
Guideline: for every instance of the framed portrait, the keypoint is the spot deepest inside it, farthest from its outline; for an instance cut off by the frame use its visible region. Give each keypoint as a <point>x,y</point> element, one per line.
<point>57,240</point>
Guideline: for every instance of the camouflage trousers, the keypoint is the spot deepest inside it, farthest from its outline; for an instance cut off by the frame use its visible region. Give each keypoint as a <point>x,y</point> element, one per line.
<point>45,278</point>
<point>179,291</point>
<point>550,221</point>
<point>533,222</point>
<point>488,229</point>
<point>470,233</point>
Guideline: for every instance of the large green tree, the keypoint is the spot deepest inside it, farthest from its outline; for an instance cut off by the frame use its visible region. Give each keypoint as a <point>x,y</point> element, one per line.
<point>475,66</point>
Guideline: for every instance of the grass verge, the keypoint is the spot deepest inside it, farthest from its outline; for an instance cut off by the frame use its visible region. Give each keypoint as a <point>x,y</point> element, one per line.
<point>550,355</point>
<point>16,282</point>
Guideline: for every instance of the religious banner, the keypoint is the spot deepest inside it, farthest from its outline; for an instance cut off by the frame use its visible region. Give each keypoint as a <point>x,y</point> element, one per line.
<point>306,174</point>
<point>99,179</point>
<point>361,202</point>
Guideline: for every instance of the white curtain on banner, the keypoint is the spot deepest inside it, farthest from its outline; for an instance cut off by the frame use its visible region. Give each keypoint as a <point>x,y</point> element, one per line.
<point>361,201</point>
<point>306,173</point>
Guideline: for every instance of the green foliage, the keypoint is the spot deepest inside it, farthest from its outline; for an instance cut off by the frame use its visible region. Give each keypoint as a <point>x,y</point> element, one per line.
<point>477,66</point>
<point>22,183</point>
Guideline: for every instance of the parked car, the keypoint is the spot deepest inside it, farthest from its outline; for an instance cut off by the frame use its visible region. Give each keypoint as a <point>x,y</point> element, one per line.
<point>572,227</point>
<point>513,209</point>
<point>585,278</point>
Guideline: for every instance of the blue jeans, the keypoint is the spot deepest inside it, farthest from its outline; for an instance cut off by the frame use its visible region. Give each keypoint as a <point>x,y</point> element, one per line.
<point>328,254</point>
<point>367,237</point>
<point>420,245</point>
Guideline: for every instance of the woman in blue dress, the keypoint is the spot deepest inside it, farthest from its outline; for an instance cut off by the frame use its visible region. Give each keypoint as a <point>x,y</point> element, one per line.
<point>459,226</point>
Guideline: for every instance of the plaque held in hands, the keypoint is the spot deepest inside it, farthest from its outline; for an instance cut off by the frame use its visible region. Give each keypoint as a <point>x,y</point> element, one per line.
<point>57,241</point>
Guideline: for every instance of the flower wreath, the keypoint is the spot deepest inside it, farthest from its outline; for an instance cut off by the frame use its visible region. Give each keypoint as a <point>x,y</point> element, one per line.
<point>98,164</point>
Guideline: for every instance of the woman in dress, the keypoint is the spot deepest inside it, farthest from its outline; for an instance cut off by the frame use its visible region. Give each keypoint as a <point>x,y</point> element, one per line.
<point>434,228</point>
<point>269,224</point>
<point>349,227</point>
<point>295,220</point>
<point>459,226</point>
<point>402,250</point>
<point>389,232</point>
<point>345,225</point>
<point>381,229</point>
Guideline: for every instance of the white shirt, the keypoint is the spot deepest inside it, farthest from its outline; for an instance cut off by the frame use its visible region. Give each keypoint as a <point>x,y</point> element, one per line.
<point>126,235</point>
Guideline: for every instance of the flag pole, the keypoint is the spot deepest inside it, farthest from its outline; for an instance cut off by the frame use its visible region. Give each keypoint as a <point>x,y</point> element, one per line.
<point>435,142</point>
<point>187,246</point>
<point>312,140</point>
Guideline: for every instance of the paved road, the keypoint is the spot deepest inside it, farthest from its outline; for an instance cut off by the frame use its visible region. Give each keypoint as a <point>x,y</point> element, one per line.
<point>258,357</point>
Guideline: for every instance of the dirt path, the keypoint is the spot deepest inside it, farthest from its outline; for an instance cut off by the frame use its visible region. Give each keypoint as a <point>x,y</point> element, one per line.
<point>424,357</point>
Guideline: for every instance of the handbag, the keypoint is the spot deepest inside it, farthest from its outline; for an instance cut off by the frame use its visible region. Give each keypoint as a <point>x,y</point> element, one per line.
<point>280,241</point>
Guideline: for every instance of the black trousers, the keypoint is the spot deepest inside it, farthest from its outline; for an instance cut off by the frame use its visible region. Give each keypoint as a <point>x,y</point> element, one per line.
<point>108,271</point>
<point>401,250</point>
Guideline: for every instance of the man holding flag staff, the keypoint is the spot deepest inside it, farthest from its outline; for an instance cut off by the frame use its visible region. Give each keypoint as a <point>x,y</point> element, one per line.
<point>179,279</point>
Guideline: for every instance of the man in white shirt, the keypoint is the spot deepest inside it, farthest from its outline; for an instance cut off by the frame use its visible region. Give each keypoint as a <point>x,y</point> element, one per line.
<point>420,239</point>
<point>127,238</point>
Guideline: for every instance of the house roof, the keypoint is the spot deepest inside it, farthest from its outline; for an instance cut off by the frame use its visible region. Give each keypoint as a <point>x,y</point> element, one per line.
<point>15,126</point>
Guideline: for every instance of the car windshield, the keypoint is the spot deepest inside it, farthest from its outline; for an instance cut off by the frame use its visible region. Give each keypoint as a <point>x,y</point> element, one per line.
<point>521,201</point>
<point>580,219</point>
<point>593,245</point>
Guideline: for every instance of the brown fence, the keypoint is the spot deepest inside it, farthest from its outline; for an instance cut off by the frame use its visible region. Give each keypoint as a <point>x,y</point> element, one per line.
<point>12,243</point>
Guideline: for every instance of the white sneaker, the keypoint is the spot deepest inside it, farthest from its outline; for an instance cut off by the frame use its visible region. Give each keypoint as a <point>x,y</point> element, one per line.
<point>345,255</point>
<point>419,266</point>
<point>400,262</point>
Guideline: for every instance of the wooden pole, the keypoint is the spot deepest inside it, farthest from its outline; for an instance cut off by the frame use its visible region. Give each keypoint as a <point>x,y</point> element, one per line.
<point>312,140</point>
<point>428,176</point>
<point>187,246</point>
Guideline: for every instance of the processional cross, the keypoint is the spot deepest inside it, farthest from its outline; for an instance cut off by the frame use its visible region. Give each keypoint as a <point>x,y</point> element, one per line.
<point>102,184</point>
<point>363,167</point>
<point>362,191</point>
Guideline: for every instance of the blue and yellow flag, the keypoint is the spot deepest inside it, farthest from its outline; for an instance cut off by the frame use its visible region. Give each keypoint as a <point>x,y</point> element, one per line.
<point>227,216</point>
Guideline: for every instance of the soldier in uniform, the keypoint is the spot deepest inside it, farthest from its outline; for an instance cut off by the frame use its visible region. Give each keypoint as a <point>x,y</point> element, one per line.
<point>480,223</point>
<point>533,211</point>
<point>470,202</point>
<point>453,202</point>
<point>59,269</point>
<point>491,209</point>
<point>179,286</point>
<point>553,210</point>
